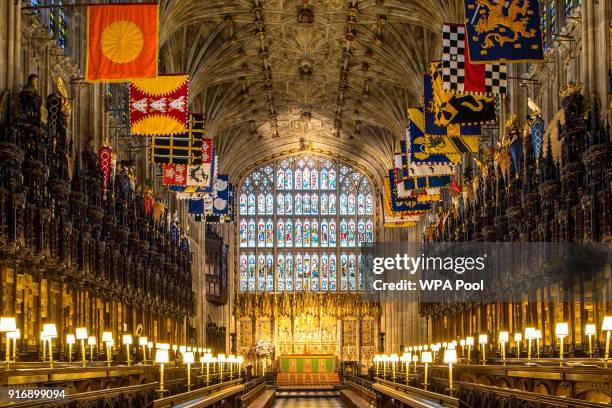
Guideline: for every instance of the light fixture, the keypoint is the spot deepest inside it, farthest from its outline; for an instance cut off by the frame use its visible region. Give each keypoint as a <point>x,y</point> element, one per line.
<point>483,339</point>
<point>518,338</point>
<point>406,358</point>
<point>189,360</point>
<point>127,341</point>
<point>561,331</point>
<point>590,331</point>
<point>221,362</point>
<point>7,325</point>
<point>538,337</point>
<point>504,336</point>
<point>81,334</point>
<point>415,360</point>
<point>450,357</point>
<point>182,349</point>
<point>530,334</point>
<point>607,327</point>
<point>150,346</point>
<point>207,359</point>
<point>161,357</point>
<point>142,342</point>
<point>469,342</point>
<point>239,360</point>
<point>70,340</point>
<point>91,341</point>
<point>50,332</point>
<point>14,335</point>
<point>394,359</point>
<point>426,358</point>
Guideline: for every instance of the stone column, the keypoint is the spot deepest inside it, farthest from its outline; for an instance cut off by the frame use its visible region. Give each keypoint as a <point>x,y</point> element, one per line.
<point>10,47</point>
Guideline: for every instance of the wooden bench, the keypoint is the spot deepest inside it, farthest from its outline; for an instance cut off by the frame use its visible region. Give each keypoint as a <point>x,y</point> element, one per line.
<point>201,397</point>
<point>415,397</point>
<point>258,397</point>
<point>357,397</point>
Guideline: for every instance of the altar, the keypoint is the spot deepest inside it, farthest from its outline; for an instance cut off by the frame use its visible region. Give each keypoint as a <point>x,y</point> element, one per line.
<point>307,364</point>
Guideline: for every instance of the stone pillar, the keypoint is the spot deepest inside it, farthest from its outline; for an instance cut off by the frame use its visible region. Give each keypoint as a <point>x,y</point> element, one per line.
<point>10,44</point>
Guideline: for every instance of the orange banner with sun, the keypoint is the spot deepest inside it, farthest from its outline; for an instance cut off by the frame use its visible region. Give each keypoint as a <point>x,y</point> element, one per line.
<point>121,42</point>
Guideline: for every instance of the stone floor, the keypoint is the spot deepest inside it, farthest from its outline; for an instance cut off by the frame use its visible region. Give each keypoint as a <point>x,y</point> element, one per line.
<point>308,399</point>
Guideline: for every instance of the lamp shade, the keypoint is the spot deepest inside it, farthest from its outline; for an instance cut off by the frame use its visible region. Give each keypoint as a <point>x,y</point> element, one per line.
<point>150,344</point>
<point>189,349</point>
<point>538,334</point>
<point>504,336</point>
<point>561,330</point>
<point>221,358</point>
<point>425,347</point>
<point>15,335</point>
<point>50,330</point>
<point>518,337</point>
<point>8,324</point>
<point>415,358</point>
<point>462,342</point>
<point>394,358</point>
<point>469,341</point>
<point>188,357</point>
<point>174,347</point>
<point>607,323</point>
<point>161,356</point>
<point>142,341</point>
<point>182,349</point>
<point>426,357</point>
<point>444,344</point>
<point>70,339</point>
<point>107,337</point>
<point>208,358</point>
<point>483,339</point>
<point>81,333</point>
<point>163,346</point>
<point>127,339</point>
<point>530,333</point>
<point>91,340</point>
<point>589,330</point>
<point>406,358</point>
<point>240,359</point>
<point>450,356</point>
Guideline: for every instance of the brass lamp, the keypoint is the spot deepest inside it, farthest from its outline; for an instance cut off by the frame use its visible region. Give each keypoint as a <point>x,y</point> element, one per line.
<point>607,327</point>
<point>561,331</point>
<point>483,339</point>
<point>518,338</point>
<point>91,341</point>
<point>127,341</point>
<point>462,344</point>
<point>150,346</point>
<point>590,331</point>
<point>7,325</point>
<point>70,340</point>
<point>530,334</point>
<point>142,342</point>
<point>426,358</point>
<point>504,336</point>
<point>50,332</point>
<point>406,359</point>
<point>161,358</point>
<point>221,361</point>
<point>15,335</point>
<point>107,339</point>
<point>538,337</point>
<point>415,360</point>
<point>469,342</point>
<point>239,361</point>
<point>384,359</point>
<point>450,357</point>
<point>188,359</point>
<point>43,338</point>
<point>81,334</point>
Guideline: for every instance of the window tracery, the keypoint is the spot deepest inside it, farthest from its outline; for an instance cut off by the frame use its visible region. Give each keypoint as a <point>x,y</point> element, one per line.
<point>291,234</point>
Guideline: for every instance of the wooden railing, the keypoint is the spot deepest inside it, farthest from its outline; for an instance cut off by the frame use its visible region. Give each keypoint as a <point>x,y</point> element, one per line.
<point>477,395</point>
<point>202,397</point>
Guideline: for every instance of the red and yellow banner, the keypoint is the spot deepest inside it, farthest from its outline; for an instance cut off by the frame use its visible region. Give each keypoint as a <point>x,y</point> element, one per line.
<point>121,42</point>
<point>159,106</point>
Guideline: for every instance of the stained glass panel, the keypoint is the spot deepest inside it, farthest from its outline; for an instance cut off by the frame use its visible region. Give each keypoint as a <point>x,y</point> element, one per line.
<point>296,199</point>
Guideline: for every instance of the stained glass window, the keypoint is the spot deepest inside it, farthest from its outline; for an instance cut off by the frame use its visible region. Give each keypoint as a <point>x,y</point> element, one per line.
<point>57,22</point>
<point>291,233</point>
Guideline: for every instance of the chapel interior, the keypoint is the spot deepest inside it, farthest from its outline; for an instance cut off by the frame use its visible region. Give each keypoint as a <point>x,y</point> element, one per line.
<point>192,193</point>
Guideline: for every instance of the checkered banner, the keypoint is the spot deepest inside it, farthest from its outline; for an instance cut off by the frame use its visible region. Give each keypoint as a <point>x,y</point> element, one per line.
<point>460,75</point>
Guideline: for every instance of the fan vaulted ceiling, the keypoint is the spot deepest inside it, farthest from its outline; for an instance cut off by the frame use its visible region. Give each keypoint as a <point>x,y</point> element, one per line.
<point>278,75</point>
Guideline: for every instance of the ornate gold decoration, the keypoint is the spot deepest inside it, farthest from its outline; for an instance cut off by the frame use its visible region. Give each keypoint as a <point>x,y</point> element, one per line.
<point>570,89</point>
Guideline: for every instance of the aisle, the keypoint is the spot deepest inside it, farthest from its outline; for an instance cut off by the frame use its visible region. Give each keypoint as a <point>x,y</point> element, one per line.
<point>306,399</point>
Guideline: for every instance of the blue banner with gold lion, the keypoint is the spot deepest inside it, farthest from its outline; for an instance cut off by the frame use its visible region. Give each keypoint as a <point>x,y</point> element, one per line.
<point>503,30</point>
